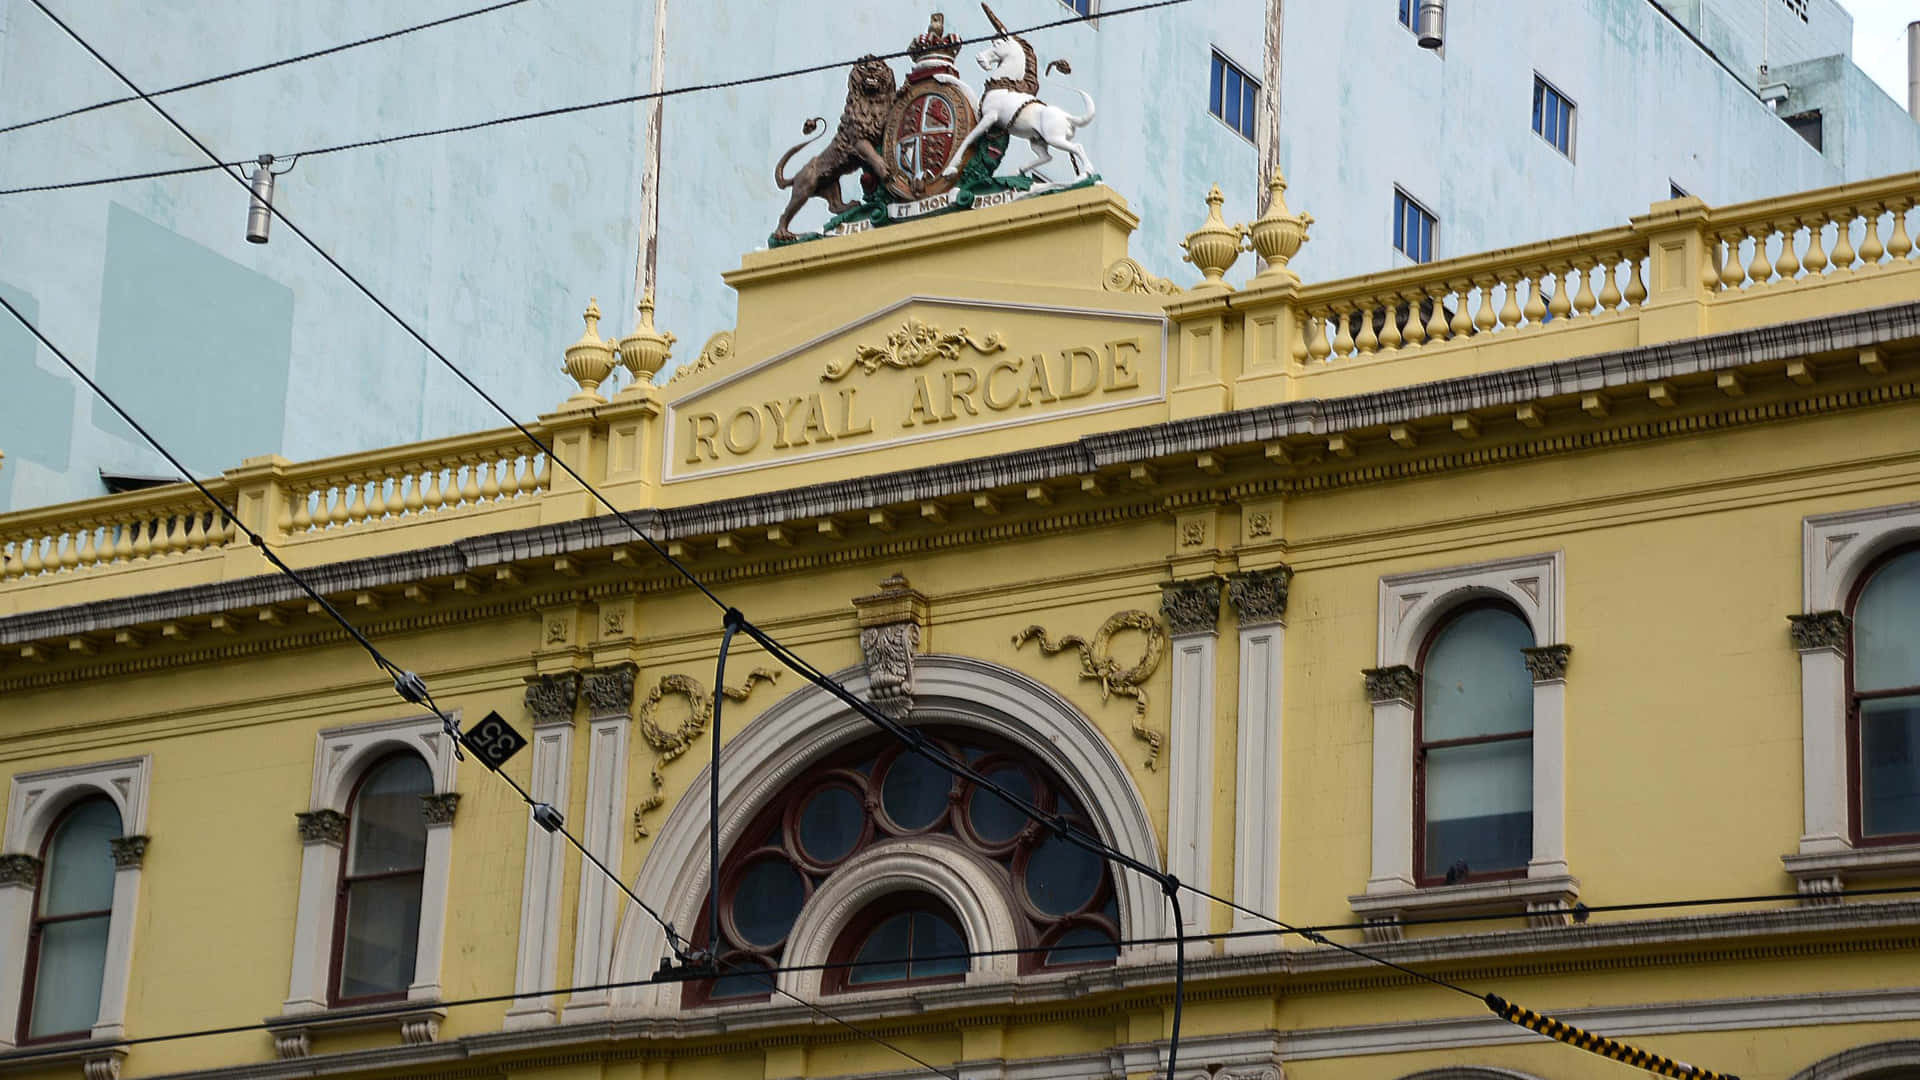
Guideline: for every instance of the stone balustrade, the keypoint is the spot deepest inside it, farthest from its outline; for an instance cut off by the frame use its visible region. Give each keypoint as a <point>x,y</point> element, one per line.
<point>489,474</point>
<point>1860,228</point>
<point>156,523</point>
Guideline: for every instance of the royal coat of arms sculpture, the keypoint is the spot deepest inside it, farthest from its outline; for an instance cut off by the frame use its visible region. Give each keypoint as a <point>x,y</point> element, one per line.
<point>931,145</point>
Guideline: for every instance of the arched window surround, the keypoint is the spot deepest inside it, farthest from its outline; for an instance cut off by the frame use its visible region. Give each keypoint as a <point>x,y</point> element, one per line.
<point>342,756</point>
<point>1838,550</point>
<point>35,804</point>
<point>1868,1062</point>
<point>1856,788</point>
<point>774,748</point>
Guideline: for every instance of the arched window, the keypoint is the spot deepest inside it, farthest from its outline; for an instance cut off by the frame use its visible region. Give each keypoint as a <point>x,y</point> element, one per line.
<point>377,914</point>
<point>1883,730</point>
<point>72,914</point>
<point>874,792</point>
<point>1473,749</point>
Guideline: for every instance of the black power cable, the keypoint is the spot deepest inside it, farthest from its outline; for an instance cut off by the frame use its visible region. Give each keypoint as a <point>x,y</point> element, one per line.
<point>258,68</point>
<point>563,110</point>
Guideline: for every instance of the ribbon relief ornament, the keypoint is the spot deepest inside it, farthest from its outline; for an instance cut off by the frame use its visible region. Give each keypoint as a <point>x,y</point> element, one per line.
<point>668,745</point>
<point>916,344</point>
<point>1097,663</point>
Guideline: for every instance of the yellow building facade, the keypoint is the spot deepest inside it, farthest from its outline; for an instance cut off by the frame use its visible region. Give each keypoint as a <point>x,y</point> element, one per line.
<point>1475,611</point>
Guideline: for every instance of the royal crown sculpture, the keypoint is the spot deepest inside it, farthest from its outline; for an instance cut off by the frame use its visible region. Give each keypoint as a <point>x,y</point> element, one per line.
<point>931,146</point>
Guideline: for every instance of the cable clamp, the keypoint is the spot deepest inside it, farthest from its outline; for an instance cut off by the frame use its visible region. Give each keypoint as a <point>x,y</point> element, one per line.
<point>548,817</point>
<point>1169,884</point>
<point>733,620</point>
<point>413,688</point>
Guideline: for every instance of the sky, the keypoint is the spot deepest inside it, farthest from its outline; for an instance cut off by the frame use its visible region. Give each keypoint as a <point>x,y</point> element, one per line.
<point>1880,40</point>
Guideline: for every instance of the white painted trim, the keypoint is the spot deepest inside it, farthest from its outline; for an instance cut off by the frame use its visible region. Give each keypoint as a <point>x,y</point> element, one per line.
<point>1863,1062</point>
<point>35,801</point>
<point>674,472</point>
<point>1257,788</point>
<point>943,869</point>
<point>341,755</point>
<point>602,831</point>
<point>809,723</point>
<point>1392,824</point>
<point>1190,779</point>
<point>1834,550</point>
<point>1411,605</point>
<point>537,965</point>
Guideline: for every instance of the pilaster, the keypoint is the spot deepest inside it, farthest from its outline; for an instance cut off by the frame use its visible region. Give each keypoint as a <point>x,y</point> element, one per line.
<point>1821,639</point>
<point>323,833</point>
<point>19,877</point>
<point>1192,611</point>
<point>550,701</point>
<point>609,695</point>
<point>1678,258</point>
<point>1392,691</point>
<point>1259,600</point>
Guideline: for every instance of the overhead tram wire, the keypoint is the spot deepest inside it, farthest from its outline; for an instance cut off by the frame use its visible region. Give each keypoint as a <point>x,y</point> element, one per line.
<point>258,68</point>
<point>563,110</point>
<point>410,687</point>
<point>1169,883</point>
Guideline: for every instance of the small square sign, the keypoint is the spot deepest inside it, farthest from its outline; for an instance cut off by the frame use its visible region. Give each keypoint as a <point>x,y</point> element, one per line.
<point>493,740</point>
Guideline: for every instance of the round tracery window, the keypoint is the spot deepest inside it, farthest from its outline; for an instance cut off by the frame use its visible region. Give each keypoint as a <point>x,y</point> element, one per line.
<point>1062,895</point>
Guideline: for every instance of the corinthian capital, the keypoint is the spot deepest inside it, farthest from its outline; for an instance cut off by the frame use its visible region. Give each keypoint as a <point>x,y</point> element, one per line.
<point>1260,596</point>
<point>1191,607</point>
<point>1396,683</point>
<point>1820,630</point>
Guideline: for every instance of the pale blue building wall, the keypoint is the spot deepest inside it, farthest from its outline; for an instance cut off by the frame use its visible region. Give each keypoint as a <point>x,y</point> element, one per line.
<point>492,241</point>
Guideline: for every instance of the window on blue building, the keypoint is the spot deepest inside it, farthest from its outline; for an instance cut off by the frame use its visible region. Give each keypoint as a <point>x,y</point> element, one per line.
<point>1080,7</point>
<point>1552,116</point>
<point>1413,227</point>
<point>1234,96</point>
<point>1408,8</point>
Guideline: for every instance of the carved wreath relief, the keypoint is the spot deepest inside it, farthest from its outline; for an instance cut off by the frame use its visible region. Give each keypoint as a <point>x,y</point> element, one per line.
<point>1097,663</point>
<point>668,745</point>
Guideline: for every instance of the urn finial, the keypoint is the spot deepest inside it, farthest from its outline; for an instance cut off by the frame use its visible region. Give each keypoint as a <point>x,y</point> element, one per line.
<point>644,351</point>
<point>589,360</point>
<point>1278,233</point>
<point>1215,245</point>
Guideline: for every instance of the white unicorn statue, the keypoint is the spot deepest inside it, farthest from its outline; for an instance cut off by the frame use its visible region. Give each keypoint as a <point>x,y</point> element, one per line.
<point>1011,102</point>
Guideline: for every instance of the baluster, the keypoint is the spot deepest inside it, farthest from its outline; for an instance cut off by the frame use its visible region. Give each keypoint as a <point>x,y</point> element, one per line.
<point>1535,310</point>
<point>1760,269</point>
<point>470,484</point>
<point>1297,352</point>
<point>432,497</point>
<point>1559,305</point>
<point>1390,336</point>
<point>1732,274</point>
<point>1636,288</point>
<point>1872,249</point>
<point>1583,301</point>
<point>1609,290</point>
<point>1343,339</point>
<point>1843,253</point>
<point>197,531</point>
<point>1416,333</point>
<point>163,535</point>
<point>9,560</point>
<point>544,479</point>
<point>337,505</point>
<point>1786,265</point>
<point>1437,322</point>
<point>489,486</point>
<point>1318,349</point>
<point>285,523</point>
<point>1484,320</point>
<point>182,522</point>
<point>1901,244</point>
<point>227,530</point>
<point>302,513</point>
<point>414,500</point>
<point>123,546</point>
<point>1367,341</point>
<point>358,511</point>
<point>1510,300</point>
<point>1462,323</point>
<point>142,538</point>
<point>1816,260</point>
<point>88,553</point>
<point>377,497</point>
<point>1710,265</point>
<point>31,564</point>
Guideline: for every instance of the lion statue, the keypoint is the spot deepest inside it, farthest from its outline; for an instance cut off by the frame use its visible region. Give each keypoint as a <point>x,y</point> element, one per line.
<point>855,145</point>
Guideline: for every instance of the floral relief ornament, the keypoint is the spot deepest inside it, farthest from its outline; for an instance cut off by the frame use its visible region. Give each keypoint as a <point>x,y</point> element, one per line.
<point>1097,663</point>
<point>668,745</point>
<point>916,344</point>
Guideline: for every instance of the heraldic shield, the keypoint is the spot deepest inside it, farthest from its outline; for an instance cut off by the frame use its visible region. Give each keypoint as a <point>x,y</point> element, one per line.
<point>924,128</point>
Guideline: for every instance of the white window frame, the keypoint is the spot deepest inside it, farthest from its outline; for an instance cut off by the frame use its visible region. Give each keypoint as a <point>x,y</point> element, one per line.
<point>341,756</point>
<point>1412,606</point>
<point>1573,117</point>
<point>35,801</point>
<point>1259,92</point>
<point>1402,193</point>
<point>1835,550</point>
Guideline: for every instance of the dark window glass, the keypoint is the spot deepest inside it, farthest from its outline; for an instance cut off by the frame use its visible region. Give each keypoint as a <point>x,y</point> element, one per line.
<point>1407,9</point>
<point>1886,699</point>
<point>1062,877</point>
<point>67,947</point>
<point>1083,945</point>
<point>922,943</point>
<point>768,900</point>
<point>1474,762</point>
<point>377,922</point>
<point>1552,116</point>
<point>1413,228</point>
<point>993,819</point>
<point>1080,7</point>
<point>831,823</point>
<point>1233,96</point>
<point>914,792</point>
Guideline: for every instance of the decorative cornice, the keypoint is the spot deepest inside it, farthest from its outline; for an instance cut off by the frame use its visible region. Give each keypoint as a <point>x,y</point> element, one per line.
<point>439,809</point>
<point>1191,607</point>
<point>550,698</point>
<point>1819,630</point>
<point>1260,596</point>
<point>1396,683</point>
<point>322,827</point>
<point>609,691</point>
<point>1548,663</point>
<point>128,851</point>
<point>19,870</point>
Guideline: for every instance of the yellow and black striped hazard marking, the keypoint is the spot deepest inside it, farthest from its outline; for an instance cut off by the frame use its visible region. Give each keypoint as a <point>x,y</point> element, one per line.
<point>1599,1044</point>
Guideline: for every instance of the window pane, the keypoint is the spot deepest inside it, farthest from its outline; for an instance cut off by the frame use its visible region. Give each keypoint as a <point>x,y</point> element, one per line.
<point>1475,680</point>
<point>66,990</point>
<point>1062,876</point>
<point>1249,108</point>
<point>389,831</point>
<point>1480,806</point>
<point>767,901</point>
<point>1213,98</point>
<point>915,791</point>
<point>831,823</point>
<point>1539,92</point>
<point>883,957</point>
<point>747,978</point>
<point>937,947</point>
<point>1886,627</point>
<point>1232,101</point>
<point>1083,945</point>
<point>79,873</point>
<point>383,929</point>
<point>1890,766</point>
<point>994,819</point>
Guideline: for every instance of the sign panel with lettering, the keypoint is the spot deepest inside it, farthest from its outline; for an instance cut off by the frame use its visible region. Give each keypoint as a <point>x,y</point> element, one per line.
<point>925,368</point>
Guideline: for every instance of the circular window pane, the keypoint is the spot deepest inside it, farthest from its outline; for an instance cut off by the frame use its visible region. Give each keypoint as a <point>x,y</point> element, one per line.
<point>1062,877</point>
<point>1083,945</point>
<point>831,823</point>
<point>994,819</point>
<point>915,791</point>
<point>766,900</point>
<point>745,978</point>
